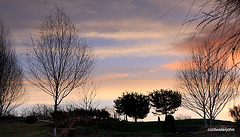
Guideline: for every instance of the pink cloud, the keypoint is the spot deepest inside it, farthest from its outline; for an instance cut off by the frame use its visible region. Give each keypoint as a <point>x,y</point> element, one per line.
<point>172,66</point>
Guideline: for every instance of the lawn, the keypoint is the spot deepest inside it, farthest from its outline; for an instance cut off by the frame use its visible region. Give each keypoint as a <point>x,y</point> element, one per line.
<point>19,128</point>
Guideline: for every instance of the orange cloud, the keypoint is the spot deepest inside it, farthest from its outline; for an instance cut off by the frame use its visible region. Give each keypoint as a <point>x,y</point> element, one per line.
<point>172,66</point>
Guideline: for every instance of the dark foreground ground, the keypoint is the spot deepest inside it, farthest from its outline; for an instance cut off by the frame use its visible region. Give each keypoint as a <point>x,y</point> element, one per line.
<point>108,128</point>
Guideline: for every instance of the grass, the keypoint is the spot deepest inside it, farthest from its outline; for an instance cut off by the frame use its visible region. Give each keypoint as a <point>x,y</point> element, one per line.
<point>129,128</point>
<point>121,128</point>
<point>19,128</point>
<point>189,122</point>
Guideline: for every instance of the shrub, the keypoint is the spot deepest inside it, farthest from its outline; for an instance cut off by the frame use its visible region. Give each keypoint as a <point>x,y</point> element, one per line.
<point>7,118</point>
<point>235,113</point>
<point>169,124</point>
<point>31,119</point>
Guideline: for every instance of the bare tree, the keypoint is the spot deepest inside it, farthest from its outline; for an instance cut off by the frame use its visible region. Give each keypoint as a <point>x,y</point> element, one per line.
<point>60,60</point>
<point>87,95</point>
<point>11,74</point>
<point>207,85</point>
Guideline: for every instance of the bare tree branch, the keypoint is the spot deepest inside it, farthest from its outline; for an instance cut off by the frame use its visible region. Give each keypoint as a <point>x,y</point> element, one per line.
<point>11,74</point>
<point>86,95</point>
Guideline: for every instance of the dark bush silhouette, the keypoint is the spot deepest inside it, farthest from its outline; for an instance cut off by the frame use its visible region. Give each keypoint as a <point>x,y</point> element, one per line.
<point>101,114</point>
<point>169,124</point>
<point>60,118</point>
<point>133,105</point>
<point>31,119</point>
<point>7,118</point>
<point>165,101</point>
<point>235,113</point>
<point>41,111</point>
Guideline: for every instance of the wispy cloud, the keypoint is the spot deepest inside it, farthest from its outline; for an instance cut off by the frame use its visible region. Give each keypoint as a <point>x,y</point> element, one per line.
<point>125,35</point>
<point>172,66</point>
<point>134,50</point>
<point>111,76</point>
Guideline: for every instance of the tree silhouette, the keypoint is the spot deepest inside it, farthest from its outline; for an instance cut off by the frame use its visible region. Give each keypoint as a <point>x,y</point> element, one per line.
<point>165,101</point>
<point>208,81</point>
<point>235,113</point>
<point>60,61</point>
<point>11,74</point>
<point>86,95</point>
<point>133,105</point>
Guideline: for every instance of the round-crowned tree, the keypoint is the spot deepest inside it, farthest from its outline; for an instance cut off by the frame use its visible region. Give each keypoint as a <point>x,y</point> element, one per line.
<point>133,104</point>
<point>165,101</point>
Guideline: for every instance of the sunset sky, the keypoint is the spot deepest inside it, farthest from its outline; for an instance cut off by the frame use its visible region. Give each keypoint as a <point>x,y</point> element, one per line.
<point>136,42</point>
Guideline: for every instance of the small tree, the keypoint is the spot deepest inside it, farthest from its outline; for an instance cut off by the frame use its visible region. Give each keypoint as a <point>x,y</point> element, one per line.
<point>165,101</point>
<point>86,95</point>
<point>133,105</point>
<point>60,60</point>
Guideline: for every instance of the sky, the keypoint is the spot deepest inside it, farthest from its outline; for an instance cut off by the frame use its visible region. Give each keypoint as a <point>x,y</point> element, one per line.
<point>137,43</point>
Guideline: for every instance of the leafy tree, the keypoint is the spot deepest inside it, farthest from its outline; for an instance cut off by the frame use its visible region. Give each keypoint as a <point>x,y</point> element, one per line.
<point>133,105</point>
<point>11,74</point>
<point>165,101</point>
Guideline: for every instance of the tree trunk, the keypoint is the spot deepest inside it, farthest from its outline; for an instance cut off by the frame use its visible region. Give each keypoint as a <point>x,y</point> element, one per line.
<point>55,131</point>
<point>158,119</point>
<point>135,119</point>
<point>165,116</point>
<point>54,113</point>
<point>126,117</point>
<point>211,122</point>
<point>205,121</point>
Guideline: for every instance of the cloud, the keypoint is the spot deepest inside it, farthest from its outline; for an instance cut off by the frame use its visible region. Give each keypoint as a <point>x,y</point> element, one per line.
<point>138,50</point>
<point>171,66</point>
<point>126,35</point>
<point>191,39</point>
<point>106,20</point>
<point>111,76</point>
<point>120,35</point>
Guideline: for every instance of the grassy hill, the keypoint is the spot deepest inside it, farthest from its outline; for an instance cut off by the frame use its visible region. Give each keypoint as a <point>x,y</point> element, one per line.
<point>188,128</point>
<point>19,128</point>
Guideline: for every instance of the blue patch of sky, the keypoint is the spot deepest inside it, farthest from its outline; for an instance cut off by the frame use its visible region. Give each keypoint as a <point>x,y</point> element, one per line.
<point>131,65</point>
